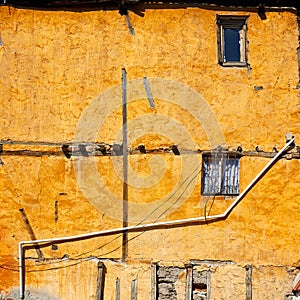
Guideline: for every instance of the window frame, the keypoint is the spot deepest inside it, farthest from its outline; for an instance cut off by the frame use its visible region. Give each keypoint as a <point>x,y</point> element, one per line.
<point>215,174</point>
<point>232,22</point>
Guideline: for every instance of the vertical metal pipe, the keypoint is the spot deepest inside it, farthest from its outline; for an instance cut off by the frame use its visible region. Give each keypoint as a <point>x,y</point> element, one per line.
<point>21,271</point>
<point>125,165</point>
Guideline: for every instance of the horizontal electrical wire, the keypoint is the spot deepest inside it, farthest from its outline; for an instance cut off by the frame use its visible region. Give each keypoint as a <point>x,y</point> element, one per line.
<point>191,177</point>
<point>147,217</point>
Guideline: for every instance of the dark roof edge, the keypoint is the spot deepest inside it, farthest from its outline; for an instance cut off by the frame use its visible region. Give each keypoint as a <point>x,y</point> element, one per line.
<point>90,5</point>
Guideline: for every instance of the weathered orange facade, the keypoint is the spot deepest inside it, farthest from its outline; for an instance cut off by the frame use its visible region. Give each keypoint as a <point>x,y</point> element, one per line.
<point>61,83</point>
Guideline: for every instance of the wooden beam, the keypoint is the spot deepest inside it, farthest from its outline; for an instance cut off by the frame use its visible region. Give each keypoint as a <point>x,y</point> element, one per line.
<point>118,288</point>
<point>100,281</point>
<point>134,289</point>
<point>154,281</point>
<point>248,269</point>
<point>189,282</point>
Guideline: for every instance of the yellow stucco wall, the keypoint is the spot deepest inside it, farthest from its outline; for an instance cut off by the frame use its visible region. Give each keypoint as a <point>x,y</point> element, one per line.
<point>60,78</point>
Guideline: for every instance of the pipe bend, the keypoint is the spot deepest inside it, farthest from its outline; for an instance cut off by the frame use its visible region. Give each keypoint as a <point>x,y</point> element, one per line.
<point>288,144</point>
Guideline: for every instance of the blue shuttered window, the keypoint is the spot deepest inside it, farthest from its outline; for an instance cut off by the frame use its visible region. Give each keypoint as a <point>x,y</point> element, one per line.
<point>232,40</point>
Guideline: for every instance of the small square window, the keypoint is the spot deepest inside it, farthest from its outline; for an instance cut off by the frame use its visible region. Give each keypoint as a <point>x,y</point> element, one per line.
<point>232,40</point>
<point>220,174</point>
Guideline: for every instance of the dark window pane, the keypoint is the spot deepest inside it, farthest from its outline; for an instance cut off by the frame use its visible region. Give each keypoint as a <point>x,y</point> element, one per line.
<point>231,45</point>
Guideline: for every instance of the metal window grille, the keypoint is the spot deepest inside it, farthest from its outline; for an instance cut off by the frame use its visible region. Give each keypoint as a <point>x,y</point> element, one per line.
<point>220,174</point>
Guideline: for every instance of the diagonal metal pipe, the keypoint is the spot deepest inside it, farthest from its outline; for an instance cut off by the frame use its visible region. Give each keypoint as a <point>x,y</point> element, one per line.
<point>145,226</point>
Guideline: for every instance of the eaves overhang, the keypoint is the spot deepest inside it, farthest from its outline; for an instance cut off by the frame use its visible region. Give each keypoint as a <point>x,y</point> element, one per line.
<point>115,4</point>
